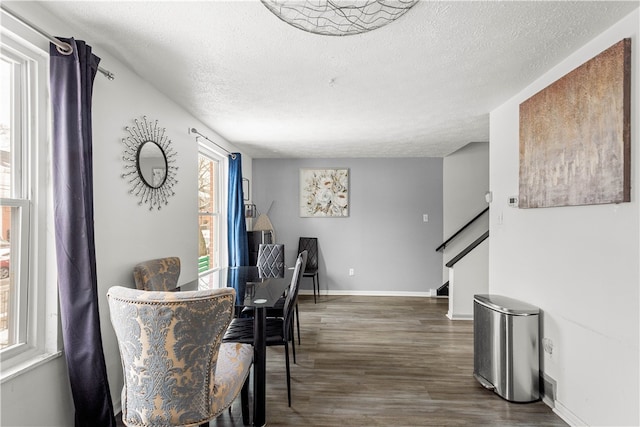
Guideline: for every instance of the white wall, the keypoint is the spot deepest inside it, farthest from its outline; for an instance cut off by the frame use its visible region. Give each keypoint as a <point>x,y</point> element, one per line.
<point>580,265</point>
<point>125,232</point>
<point>468,277</point>
<point>384,240</point>
<point>465,182</point>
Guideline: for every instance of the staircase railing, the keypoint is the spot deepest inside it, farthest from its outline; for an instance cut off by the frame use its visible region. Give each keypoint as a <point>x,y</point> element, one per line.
<point>468,249</point>
<point>475,218</point>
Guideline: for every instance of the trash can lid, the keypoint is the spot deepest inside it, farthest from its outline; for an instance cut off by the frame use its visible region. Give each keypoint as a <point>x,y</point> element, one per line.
<point>506,305</point>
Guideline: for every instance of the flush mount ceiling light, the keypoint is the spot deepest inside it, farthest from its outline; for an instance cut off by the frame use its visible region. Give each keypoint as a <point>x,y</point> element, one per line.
<point>338,18</point>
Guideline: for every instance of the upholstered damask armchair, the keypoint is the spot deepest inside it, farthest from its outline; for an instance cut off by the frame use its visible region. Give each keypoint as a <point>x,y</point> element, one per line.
<point>157,274</point>
<point>176,371</point>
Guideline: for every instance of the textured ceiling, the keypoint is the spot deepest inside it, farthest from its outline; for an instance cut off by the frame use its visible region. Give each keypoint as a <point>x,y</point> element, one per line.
<point>421,86</point>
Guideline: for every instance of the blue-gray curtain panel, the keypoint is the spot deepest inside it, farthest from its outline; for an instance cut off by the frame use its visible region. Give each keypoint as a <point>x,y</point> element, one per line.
<point>236,225</point>
<point>71,83</point>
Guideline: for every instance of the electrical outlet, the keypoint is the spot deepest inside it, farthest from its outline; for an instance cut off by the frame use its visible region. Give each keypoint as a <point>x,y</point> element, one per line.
<point>547,345</point>
<point>351,272</point>
<point>425,218</point>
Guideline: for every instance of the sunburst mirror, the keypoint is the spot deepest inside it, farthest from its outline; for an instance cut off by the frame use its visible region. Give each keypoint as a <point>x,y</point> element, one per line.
<point>149,166</point>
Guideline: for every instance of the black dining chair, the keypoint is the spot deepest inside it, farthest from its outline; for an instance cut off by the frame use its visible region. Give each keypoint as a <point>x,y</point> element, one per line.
<point>278,308</point>
<point>279,330</point>
<point>270,260</point>
<point>310,244</point>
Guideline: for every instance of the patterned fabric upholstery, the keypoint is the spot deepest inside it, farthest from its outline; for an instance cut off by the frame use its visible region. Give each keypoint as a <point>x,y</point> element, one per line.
<point>157,274</point>
<point>176,371</point>
<point>271,260</point>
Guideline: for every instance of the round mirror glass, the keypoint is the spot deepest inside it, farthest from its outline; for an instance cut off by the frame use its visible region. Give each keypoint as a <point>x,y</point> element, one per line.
<point>152,164</point>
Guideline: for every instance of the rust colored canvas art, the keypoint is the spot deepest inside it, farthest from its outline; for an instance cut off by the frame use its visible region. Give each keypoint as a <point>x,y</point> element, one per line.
<point>575,135</point>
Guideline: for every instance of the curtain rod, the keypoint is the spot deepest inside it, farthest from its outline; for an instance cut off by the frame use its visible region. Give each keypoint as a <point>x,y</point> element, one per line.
<point>193,130</point>
<point>63,48</point>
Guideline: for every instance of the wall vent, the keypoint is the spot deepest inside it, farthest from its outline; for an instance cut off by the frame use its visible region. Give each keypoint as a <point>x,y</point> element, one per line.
<point>548,390</point>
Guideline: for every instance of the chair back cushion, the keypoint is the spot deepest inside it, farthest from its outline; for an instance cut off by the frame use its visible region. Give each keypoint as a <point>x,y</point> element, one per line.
<point>292,294</point>
<point>309,244</point>
<point>271,260</point>
<point>157,274</point>
<point>170,343</point>
<point>305,255</point>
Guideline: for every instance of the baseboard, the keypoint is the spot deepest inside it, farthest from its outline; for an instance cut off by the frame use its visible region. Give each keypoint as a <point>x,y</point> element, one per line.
<point>548,389</point>
<point>117,407</point>
<point>452,316</point>
<point>548,401</point>
<point>370,293</point>
<point>566,415</point>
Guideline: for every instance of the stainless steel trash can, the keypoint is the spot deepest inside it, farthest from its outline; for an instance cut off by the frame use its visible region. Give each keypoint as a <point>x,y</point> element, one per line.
<point>505,347</point>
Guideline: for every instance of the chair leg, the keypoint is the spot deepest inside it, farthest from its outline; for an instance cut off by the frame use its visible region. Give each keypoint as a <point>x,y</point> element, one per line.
<point>293,343</point>
<point>298,322</point>
<point>314,288</point>
<point>316,282</point>
<point>244,399</point>
<point>286,358</point>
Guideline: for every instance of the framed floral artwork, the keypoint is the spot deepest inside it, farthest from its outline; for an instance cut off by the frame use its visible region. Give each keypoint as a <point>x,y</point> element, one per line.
<point>324,192</point>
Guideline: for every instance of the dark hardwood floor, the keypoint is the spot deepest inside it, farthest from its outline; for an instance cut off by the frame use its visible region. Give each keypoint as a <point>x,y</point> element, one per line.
<point>384,361</point>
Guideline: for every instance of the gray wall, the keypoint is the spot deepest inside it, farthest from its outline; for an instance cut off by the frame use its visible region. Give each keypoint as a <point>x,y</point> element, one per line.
<point>385,240</point>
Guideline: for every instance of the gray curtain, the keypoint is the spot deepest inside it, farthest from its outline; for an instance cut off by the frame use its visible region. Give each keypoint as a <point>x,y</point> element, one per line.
<point>71,84</point>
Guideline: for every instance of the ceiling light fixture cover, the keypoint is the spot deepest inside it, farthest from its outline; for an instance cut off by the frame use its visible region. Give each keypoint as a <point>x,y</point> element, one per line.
<point>338,18</point>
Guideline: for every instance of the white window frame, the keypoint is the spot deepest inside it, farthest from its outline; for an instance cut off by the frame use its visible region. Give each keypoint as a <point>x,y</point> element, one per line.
<point>207,150</point>
<point>38,296</point>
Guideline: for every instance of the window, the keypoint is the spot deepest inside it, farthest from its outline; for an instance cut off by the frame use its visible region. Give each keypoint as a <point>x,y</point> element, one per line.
<point>209,211</point>
<point>28,301</point>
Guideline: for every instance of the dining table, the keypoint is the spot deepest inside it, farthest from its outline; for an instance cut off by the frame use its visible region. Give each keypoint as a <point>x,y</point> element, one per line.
<point>260,292</point>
